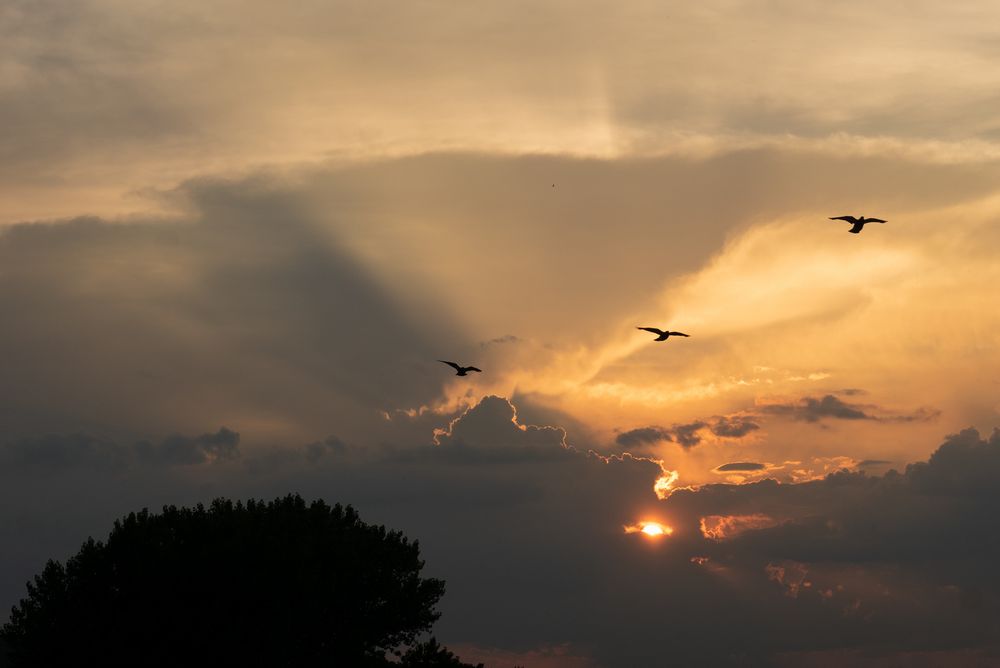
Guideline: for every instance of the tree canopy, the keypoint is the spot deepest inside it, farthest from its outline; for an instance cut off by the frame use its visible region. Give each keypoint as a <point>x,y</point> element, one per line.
<point>278,583</point>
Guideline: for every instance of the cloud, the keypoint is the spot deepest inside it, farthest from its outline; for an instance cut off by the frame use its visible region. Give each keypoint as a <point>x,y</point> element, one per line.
<point>491,426</point>
<point>725,527</point>
<point>867,463</point>
<point>688,435</point>
<point>734,426</point>
<point>164,108</point>
<point>643,436</point>
<point>814,409</point>
<point>234,313</point>
<point>54,452</point>
<point>184,450</point>
<point>782,567</point>
<point>319,449</point>
<point>741,466</point>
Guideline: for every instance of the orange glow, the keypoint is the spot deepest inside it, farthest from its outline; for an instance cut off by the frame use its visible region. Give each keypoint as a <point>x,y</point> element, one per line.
<point>724,527</point>
<point>664,485</point>
<point>650,529</point>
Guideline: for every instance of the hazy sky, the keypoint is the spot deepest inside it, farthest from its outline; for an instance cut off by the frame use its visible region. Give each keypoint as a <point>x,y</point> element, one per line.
<point>236,237</point>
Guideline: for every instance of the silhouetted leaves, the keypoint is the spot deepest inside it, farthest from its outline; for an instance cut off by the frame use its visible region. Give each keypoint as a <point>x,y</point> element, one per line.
<point>256,584</point>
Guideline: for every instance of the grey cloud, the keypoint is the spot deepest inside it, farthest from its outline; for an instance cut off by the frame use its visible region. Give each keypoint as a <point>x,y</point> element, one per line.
<point>814,409</point>
<point>643,436</point>
<point>852,559</point>
<point>184,450</point>
<point>865,463</point>
<point>491,431</point>
<point>166,82</point>
<point>687,435</point>
<point>245,307</point>
<point>922,414</point>
<point>868,555</point>
<point>741,466</point>
<point>329,446</point>
<point>54,452</point>
<point>734,426</point>
<point>855,517</point>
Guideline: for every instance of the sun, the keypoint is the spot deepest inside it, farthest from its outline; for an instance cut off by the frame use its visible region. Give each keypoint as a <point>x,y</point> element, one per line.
<point>653,529</point>
<point>650,529</point>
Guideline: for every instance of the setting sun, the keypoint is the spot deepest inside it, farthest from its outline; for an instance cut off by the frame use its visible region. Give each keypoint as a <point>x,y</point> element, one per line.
<point>650,529</point>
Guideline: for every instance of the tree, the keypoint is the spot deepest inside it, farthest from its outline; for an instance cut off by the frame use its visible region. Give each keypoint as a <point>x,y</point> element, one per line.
<point>256,584</point>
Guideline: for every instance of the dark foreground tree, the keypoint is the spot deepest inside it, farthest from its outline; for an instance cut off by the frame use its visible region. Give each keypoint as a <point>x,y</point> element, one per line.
<point>257,584</point>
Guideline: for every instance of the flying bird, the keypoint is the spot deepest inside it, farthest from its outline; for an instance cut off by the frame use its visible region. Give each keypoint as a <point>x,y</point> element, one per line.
<point>858,223</point>
<point>661,335</point>
<point>461,370</point>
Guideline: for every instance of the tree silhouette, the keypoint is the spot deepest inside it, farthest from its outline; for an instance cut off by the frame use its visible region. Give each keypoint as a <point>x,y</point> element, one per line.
<point>256,584</point>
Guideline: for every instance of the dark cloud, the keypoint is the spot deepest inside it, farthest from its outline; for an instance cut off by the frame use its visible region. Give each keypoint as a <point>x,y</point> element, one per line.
<point>919,415</point>
<point>53,452</point>
<point>735,426</point>
<point>688,435</point>
<point>814,409</point>
<point>741,466</point>
<point>184,450</point>
<point>871,556</point>
<point>849,561</point>
<point>329,446</point>
<point>234,310</point>
<point>865,463</point>
<point>643,436</point>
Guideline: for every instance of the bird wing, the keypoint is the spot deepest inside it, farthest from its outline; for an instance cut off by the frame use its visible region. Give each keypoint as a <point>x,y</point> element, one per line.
<point>654,330</point>
<point>850,219</point>
<point>874,220</point>
<point>679,334</point>
<point>452,365</point>
<point>472,368</point>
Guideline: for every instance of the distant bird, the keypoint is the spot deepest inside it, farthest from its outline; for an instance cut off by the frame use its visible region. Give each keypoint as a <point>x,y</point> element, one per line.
<point>661,335</point>
<point>858,223</point>
<point>461,370</point>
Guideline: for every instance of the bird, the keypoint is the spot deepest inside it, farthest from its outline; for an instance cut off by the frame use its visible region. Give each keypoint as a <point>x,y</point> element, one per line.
<point>662,335</point>
<point>858,223</point>
<point>461,370</point>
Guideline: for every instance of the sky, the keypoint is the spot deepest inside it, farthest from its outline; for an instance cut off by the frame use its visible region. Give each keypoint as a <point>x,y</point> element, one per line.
<point>236,238</point>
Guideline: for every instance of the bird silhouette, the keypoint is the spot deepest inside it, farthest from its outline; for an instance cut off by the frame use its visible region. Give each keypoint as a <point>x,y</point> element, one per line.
<point>461,370</point>
<point>661,335</point>
<point>858,223</point>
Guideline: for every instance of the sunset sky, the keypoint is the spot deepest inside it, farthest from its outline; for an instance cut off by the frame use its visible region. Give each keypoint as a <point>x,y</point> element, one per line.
<point>236,237</point>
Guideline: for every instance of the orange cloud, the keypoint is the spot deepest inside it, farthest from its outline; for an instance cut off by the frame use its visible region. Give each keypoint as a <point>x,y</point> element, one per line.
<point>724,527</point>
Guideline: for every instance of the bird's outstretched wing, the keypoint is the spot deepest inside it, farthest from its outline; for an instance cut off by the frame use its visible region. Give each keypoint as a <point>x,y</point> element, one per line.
<point>452,365</point>
<point>472,368</point>
<point>679,334</point>
<point>654,330</point>
<point>874,220</point>
<point>850,219</point>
